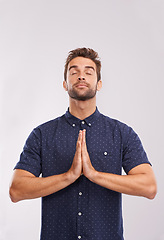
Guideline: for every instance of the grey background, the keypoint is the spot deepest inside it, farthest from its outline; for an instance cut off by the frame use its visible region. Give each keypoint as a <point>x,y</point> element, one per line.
<point>35,37</point>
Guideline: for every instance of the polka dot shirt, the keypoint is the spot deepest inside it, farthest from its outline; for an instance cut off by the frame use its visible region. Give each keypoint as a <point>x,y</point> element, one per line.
<point>83,210</point>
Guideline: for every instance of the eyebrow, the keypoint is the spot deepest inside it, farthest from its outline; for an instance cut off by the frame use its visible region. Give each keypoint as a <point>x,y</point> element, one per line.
<point>75,66</point>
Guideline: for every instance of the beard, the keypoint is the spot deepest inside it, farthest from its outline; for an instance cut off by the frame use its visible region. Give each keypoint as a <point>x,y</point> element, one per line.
<point>75,94</point>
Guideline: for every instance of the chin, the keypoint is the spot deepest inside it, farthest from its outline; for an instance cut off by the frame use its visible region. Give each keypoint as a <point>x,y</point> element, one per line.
<point>82,97</point>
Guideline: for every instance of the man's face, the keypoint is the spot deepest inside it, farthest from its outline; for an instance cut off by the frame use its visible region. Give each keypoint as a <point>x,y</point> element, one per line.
<point>81,82</point>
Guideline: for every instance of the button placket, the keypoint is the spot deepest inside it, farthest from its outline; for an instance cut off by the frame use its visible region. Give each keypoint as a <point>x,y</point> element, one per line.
<point>83,124</point>
<point>80,213</point>
<point>80,209</point>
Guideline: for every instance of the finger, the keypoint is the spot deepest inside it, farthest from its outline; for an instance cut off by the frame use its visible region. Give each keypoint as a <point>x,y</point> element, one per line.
<point>80,135</point>
<point>79,139</point>
<point>84,135</point>
<point>84,140</point>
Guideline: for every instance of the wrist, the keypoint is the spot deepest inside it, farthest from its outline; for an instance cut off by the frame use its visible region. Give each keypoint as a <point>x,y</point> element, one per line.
<point>71,176</point>
<point>93,175</point>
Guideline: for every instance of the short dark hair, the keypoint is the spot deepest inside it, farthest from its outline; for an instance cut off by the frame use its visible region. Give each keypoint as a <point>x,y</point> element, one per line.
<point>86,53</point>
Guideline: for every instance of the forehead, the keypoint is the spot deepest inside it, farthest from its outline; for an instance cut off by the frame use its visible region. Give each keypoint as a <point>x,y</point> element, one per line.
<point>81,62</point>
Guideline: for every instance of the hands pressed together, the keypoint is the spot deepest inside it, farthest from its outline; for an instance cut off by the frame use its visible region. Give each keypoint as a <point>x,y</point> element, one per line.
<point>81,162</point>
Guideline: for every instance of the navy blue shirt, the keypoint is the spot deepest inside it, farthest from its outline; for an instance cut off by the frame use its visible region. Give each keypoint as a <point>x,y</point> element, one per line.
<point>83,210</point>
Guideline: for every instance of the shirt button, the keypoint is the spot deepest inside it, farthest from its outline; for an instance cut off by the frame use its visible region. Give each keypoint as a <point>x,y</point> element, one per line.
<point>82,122</point>
<point>105,153</point>
<point>79,237</point>
<point>73,124</point>
<point>79,213</point>
<point>89,124</point>
<point>80,193</point>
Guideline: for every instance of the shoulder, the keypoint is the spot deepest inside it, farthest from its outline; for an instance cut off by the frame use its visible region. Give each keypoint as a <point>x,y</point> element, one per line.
<point>48,126</point>
<point>119,129</point>
<point>115,123</point>
<point>51,123</point>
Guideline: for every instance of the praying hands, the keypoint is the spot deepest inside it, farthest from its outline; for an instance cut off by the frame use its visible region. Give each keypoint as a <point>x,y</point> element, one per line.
<point>81,162</point>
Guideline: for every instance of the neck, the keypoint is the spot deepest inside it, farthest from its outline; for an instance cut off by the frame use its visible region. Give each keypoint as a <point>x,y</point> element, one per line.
<point>82,109</point>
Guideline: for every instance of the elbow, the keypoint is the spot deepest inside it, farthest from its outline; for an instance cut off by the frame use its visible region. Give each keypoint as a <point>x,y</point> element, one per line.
<point>13,195</point>
<point>152,191</point>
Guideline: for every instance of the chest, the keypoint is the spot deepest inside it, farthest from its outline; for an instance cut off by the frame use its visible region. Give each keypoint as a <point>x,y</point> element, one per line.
<point>104,149</point>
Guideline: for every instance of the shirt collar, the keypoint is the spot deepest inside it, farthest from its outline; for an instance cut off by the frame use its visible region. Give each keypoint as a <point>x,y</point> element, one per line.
<point>89,120</point>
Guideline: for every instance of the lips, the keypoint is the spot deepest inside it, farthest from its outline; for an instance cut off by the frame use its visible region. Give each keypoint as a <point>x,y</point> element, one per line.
<point>80,85</point>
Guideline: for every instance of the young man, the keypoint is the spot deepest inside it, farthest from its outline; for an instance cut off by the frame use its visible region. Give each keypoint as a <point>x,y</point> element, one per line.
<point>80,156</point>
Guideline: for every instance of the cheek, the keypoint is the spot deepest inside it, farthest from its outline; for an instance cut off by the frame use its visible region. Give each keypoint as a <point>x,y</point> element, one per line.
<point>70,83</point>
<point>72,78</point>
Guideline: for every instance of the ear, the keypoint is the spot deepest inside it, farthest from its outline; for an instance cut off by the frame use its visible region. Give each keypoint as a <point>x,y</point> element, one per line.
<point>65,85</point>
<point>99,85</point>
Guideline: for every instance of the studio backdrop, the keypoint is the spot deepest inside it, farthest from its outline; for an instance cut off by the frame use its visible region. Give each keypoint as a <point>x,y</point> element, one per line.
<point>35,38</point>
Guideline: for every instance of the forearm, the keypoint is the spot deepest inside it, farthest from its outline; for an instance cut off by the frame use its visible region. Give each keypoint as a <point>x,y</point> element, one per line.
<point>138,184</point>
<point>30,187</point>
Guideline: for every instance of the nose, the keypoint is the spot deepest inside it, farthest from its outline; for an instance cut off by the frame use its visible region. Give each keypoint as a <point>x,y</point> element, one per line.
<point>81,78</point>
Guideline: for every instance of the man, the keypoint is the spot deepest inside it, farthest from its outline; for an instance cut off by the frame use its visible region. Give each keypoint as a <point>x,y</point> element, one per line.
<point>80,156</point>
